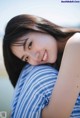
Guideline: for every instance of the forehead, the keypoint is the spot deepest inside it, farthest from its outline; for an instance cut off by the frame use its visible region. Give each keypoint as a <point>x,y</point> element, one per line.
<point>30,35</point>
<point>19,41</point>
<point>22,38</point>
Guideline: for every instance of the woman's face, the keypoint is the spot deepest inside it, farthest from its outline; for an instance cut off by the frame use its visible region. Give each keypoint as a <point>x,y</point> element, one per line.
<point>37,48</point>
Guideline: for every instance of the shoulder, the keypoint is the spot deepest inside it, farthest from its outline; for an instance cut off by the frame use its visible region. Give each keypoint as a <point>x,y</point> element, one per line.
<point>74,39</point>
<point>73,45</point>
<point>39,71</point>
<point>37,76</point>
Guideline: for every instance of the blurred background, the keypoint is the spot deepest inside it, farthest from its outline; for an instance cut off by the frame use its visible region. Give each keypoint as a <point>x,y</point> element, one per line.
<point>64,14</point>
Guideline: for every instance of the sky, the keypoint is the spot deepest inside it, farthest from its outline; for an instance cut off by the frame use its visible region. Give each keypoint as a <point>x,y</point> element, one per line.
<point>53,10</point>
<point>65,14</point>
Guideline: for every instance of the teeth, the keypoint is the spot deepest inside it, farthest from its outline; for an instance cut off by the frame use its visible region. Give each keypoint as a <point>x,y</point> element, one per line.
<point>45,56</point>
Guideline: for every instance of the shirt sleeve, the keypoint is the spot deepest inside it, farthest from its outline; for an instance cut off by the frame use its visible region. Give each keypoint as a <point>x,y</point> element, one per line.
<point>33,91</point>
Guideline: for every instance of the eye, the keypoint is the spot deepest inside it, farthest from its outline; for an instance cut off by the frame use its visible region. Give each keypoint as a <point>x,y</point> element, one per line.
<point>30,44</point>
<point>26,59</point>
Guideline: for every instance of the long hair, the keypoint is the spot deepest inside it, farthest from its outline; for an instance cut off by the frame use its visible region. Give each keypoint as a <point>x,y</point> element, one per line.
<point>21,25</point>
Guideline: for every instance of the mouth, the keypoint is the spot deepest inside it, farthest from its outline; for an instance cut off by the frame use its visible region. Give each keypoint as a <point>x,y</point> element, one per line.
<point>45,56</point>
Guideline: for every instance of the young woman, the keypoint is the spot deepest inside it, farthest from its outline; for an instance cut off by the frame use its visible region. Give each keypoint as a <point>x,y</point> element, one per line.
<point>31,40</point>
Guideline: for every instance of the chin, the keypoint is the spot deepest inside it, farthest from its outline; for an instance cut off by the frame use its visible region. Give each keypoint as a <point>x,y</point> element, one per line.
<point>53,61</point>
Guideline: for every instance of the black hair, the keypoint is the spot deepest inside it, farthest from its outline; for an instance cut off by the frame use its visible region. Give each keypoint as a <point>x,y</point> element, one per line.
<point>21,25</point>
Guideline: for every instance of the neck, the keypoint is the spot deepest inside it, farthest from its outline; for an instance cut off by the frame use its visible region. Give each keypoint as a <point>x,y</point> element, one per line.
<point>61,46</point>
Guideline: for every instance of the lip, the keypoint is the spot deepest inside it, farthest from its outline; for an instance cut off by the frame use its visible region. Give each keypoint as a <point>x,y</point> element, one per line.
<point>45,56</point>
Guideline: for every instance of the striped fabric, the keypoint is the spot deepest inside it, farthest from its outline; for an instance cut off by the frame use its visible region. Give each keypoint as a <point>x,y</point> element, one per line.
<point>33,92</point>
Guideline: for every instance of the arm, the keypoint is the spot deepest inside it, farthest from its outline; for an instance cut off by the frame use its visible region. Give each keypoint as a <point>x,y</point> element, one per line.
<point>67,86</point>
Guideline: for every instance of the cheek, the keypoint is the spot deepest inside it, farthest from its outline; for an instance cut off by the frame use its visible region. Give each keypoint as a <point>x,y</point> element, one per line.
<point>52,45</point>
<point>53,50</point>
<point>32,62</point>
<point>37,45</point>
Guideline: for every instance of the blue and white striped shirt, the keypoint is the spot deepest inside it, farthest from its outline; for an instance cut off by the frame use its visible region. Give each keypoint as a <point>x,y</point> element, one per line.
<point>33,92</point>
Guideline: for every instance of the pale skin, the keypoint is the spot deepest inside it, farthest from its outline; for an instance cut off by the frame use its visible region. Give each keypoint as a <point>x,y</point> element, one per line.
<point>67,86</point>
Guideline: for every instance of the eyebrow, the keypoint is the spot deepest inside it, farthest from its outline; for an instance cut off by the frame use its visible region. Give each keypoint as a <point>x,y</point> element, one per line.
<point>24,47</point>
